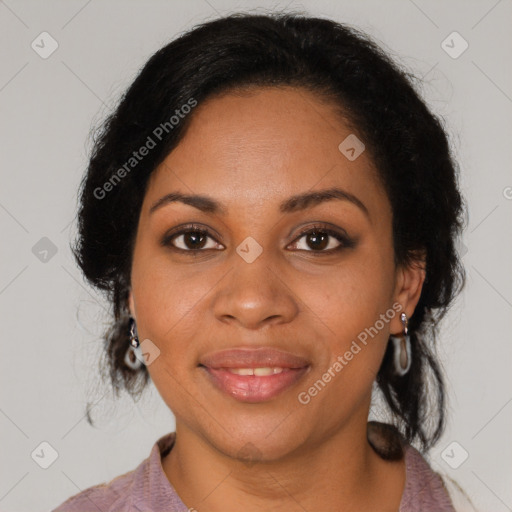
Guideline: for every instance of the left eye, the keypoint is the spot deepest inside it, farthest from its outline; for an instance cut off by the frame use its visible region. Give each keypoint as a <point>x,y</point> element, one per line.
<point>318,240</point>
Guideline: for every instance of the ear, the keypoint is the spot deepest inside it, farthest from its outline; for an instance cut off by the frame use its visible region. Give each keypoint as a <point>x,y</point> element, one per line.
<point>408,285</point>
<point>131,304</point>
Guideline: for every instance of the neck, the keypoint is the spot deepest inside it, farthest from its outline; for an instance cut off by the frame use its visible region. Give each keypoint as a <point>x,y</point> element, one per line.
<point>341,473</point>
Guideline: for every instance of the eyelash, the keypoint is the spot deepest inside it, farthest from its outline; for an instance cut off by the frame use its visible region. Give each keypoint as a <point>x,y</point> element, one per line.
<point>345,241</point>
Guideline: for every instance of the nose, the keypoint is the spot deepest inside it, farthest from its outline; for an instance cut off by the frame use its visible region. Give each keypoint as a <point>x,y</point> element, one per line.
<point>254,295</point>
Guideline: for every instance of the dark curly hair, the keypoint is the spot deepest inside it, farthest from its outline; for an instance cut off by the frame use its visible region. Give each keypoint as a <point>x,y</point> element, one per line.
<point>407,143</point>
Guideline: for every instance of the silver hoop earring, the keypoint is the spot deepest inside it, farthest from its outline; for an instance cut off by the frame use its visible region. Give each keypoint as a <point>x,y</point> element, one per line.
<point>402,349</point>
<point>130,359</point>
<point>134,339</point>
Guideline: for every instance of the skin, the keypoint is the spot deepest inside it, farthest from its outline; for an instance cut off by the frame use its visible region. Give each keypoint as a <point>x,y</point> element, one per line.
<point>250,151</point>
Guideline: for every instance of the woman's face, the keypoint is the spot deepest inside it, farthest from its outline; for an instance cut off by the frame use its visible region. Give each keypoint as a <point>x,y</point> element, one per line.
<point>327,301</point>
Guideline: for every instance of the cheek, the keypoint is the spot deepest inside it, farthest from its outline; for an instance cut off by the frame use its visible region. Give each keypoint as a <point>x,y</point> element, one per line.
<point>167,304</point>
<point>350,310</point>
<point>163,297</point>
<point>157,283</point>
<point>170,302</point>
<point>351,296</point>
<point>355,338</point>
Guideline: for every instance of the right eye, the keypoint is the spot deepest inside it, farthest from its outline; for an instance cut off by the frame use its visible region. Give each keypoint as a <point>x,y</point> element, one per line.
<point>191,238</point>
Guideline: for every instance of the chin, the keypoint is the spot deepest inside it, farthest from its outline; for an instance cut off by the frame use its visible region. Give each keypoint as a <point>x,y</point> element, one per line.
<point>251,440</point>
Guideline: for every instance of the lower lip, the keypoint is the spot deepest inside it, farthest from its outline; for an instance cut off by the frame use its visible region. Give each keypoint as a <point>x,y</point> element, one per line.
<point>252,388</point>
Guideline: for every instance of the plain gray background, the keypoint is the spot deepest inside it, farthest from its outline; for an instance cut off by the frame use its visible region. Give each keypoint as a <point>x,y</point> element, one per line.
<point>51,322</point>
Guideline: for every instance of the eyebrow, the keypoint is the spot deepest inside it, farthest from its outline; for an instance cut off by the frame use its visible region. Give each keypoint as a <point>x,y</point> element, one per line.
<point>293,204</point>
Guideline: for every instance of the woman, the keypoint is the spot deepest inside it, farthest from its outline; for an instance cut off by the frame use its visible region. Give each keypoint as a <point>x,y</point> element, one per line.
<point>273,211</point>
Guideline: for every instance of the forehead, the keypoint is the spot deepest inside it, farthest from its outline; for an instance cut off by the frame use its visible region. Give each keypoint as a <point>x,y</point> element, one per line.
<point>263,145</point>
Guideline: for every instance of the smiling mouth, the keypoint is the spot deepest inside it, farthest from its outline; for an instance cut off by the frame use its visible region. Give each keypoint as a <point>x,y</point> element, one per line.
<point>259,372</point>
<point>254,385</point>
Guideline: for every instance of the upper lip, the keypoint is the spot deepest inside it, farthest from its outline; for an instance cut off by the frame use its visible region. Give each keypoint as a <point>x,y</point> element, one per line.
<point>263,357</point>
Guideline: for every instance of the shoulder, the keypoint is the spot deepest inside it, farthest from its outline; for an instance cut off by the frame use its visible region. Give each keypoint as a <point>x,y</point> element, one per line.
<point>432,487</point>
<point>125,491</point>
<point>424,488</point>
<point>109,496</point>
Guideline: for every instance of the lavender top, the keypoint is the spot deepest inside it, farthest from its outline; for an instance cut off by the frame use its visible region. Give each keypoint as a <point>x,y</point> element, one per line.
<point>146,488</point>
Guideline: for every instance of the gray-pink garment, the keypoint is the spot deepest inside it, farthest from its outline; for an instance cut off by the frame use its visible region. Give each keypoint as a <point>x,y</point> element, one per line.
<point>147,489</point>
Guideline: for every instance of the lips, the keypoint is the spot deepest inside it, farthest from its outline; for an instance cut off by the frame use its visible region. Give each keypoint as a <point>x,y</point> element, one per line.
<point>254,375</point>
<point>263,357</point>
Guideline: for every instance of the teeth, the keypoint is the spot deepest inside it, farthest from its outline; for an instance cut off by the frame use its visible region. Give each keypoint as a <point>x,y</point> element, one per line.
<point>242,371</point>
<point>259,372</point>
